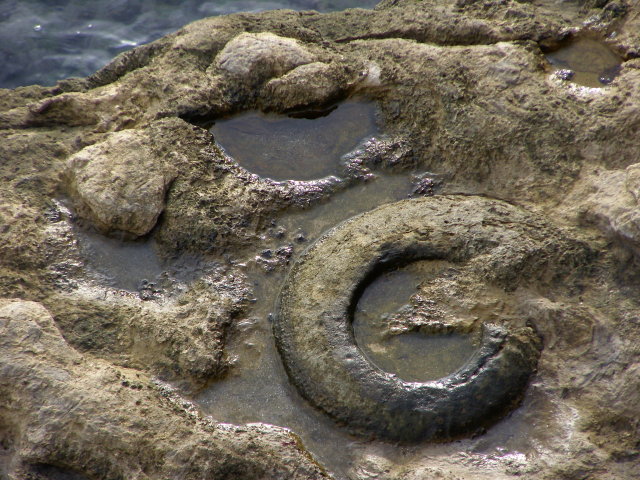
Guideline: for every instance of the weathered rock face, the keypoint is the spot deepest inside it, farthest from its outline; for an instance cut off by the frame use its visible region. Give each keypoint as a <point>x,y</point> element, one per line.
<point>313,320</point>
<point>254,58</point>
<point>120,183</point>
<point>51,426</point>
<point>465,97</point>
<point>609,199</point>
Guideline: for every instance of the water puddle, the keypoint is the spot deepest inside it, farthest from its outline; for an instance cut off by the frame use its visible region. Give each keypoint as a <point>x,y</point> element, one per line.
<point>121,265</point>
<point>413,356</point>
<point>288,148</point>
<point>135,266</point>
<point>586,62</point>
<point>258,389</point>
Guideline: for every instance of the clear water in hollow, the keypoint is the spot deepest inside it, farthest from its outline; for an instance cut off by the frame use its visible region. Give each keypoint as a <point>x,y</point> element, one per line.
<point>586,62</point>
<point>413,356</point>
<point>282,148</point>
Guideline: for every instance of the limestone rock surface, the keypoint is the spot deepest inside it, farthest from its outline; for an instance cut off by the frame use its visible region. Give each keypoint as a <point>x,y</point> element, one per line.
<point>121,182</point>
<point>610,201</point>
<point>467,104</point>
<point>71,416</point>
<point>308,85</point>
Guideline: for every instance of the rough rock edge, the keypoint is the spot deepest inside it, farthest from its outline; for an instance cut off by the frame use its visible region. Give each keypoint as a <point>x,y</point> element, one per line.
<point>85,400</point>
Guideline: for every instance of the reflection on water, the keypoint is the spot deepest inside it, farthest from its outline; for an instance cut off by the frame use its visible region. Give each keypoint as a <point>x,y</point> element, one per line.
<point>413,356</point>
<point>283,148</point>
<point>43,41</point>
<point>586,62</point>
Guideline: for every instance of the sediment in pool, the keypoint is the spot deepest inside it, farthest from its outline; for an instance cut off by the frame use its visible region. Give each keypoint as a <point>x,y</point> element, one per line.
<point>412,355</point>
<point>585,61</point>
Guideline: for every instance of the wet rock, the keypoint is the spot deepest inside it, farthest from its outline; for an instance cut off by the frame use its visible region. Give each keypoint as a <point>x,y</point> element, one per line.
<point>120,183</point>
<point>214,202</point>
<point>464,92</point>
<point>488,238</point>
<point>84,417</point>
<point>271,260</point>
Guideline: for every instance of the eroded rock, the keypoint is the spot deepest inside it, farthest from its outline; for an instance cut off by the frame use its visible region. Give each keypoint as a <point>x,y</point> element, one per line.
<point>121,182</point>
<point>260,56</point>
<point>609,200</point>
<point>63,412</point>
<point>309,85</point>
<point>313,323</point>
<point>465,97</point>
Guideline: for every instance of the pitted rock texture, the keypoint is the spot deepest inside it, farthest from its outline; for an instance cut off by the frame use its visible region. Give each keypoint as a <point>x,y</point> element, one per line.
<point>465,96</point>
<point>313,322</point>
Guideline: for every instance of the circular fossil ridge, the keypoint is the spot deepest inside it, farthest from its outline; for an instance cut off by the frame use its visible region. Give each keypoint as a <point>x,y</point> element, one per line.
<point>501,244</point>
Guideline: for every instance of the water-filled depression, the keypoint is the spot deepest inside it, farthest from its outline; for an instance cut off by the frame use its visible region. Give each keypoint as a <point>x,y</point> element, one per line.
<point>413,356</point>
<point>293,148</point>
<point>586,62</point>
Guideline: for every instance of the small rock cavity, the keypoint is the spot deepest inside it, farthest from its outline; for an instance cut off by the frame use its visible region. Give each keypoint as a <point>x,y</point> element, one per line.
<point>136,266</point>
<point>586,62</point>
<point>296,147</point>
<point>413,356</point>
<point>122,265</point>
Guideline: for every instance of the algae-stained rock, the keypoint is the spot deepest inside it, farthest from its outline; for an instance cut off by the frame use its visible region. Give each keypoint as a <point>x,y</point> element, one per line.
<point>63,415</point>
<point>120,182</point>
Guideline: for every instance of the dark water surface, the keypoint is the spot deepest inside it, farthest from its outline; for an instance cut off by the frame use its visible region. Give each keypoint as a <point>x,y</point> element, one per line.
<point>283,148</point>
<point>43,41</point>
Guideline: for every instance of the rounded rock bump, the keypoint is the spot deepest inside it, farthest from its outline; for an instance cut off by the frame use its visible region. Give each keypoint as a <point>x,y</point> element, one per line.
<point>260,56</point>
<point>495,240</point>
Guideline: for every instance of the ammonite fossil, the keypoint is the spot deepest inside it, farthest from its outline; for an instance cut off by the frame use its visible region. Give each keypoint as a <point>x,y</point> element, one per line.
<point>498,243</point>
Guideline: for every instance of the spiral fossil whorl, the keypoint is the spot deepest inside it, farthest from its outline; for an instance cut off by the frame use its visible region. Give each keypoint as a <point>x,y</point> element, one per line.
<point>496,241</point>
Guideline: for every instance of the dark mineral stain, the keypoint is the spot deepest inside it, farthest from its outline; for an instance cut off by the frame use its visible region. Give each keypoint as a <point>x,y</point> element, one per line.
<point>293,148</point>
<point>586,61</point>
